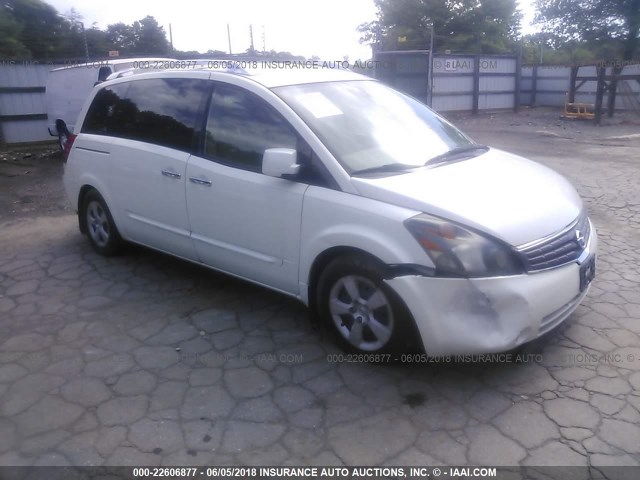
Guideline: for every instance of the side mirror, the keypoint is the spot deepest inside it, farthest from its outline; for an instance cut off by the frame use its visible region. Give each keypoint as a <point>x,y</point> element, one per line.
<point>280,162</point>
<point>104,73</point>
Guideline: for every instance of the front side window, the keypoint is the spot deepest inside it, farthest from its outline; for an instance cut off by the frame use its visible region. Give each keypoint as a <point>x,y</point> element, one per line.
<point>241,126</point>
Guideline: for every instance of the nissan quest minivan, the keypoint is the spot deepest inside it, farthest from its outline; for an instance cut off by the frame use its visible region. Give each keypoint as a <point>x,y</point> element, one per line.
<point>394,227</point>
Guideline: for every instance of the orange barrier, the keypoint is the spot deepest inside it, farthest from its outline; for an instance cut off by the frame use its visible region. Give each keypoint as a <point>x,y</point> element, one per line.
<point>578,110</point>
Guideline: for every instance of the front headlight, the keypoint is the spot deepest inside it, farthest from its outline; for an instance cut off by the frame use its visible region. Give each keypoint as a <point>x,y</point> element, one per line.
<point>459,252</point>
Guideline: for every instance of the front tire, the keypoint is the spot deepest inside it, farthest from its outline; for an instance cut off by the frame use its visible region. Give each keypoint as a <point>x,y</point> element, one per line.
<point>365,315</point>
<point>101,229</point>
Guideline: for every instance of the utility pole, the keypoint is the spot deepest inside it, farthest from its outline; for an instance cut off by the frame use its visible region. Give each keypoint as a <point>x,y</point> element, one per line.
<point>541,53</point>
<point>253,49</point>
<point>171,38</point>
<point>229,39</point>
<point>264,44</point>
<point>86,45</point>
<point>431,66</point>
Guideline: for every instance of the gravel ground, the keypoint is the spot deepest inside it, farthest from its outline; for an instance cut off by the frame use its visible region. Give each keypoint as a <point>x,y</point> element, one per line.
<point>144,359</point>
<point>30,183</point>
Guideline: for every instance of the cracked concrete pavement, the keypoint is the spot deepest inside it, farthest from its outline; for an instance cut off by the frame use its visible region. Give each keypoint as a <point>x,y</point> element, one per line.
<point>147,360</point>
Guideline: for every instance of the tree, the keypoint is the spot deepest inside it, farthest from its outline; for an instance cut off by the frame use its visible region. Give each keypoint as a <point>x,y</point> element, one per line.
<point>489,26</point>
<point>35,26</point>
<point>143,37</point>
<point>281,56</point>
<point>149,37</point>
<point>34,29</point>
<point>215,53</point>
<point>610,26</point>
<point>97,42</point>
<point>546,49</point>
<point>120,37</point>
<point>72,43</point>
<point>11,46</point>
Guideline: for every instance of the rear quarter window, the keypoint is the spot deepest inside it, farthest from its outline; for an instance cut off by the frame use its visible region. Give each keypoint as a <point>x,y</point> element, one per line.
<point>161,111</point>
<point>103,114</point>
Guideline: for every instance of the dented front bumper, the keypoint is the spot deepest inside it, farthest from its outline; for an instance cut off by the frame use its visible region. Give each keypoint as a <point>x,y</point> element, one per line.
<point>487,315</point>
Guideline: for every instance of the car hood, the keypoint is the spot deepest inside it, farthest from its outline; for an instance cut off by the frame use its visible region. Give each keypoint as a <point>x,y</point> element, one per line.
<point>507,196</point>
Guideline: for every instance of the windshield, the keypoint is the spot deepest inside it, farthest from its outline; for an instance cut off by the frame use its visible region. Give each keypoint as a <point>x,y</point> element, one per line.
<point>370,127</point>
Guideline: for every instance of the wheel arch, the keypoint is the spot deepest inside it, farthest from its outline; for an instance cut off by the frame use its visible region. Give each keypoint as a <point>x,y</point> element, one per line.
<point>414,341</point>
<point>323,259</point>
<point>82,221</point>
<point>88,183</point>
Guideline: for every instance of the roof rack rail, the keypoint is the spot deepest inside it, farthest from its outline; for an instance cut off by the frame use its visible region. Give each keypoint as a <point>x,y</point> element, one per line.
<point>227,66</point>
<point>222,65</point>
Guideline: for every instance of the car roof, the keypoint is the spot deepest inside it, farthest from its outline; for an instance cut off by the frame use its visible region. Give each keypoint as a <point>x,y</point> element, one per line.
<point>278,75</point>
<point>282,76</point>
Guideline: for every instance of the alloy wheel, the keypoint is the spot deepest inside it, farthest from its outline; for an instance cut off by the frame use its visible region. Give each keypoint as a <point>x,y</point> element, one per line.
<point>361,312</point>
<point>98,223</point>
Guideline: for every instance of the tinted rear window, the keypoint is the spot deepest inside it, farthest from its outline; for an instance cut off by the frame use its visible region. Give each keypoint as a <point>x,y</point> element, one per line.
<point>102,117</point>
<point>162,111</point>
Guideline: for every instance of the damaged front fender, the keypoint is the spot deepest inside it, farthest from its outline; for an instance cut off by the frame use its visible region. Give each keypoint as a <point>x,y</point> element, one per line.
<point>485,315</point>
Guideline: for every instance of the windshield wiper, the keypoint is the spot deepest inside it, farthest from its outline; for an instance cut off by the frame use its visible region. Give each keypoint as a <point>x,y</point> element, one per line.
<point>389,167</point>
<point>457,152</point>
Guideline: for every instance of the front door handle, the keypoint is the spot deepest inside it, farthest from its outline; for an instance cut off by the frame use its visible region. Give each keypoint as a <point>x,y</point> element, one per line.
<point>169,173</point>
<point>200,181</point>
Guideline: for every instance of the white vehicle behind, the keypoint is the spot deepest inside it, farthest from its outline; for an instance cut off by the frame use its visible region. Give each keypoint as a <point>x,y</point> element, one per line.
<point>68,87</point>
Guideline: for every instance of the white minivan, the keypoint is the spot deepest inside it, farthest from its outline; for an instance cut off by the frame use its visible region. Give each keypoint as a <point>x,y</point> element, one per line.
<point>395,228</point>
<point>68,87</point>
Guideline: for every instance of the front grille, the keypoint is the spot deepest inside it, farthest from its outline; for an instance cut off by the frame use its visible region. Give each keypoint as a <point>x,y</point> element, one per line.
<point>559,249</point>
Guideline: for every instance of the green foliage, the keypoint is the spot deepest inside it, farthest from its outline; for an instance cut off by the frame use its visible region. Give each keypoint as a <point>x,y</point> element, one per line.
<point>608,28</point>
<point>489,26</point>
<point>97,42</point>
<point>274,55</point>
<point>34,29</point>
<point>120,37</point>
<point>536,53</point>
<point>11,46</point>
<point>143,37</point>
<point>215,53</point>
<point>544,48</point>
<point>149,37</point>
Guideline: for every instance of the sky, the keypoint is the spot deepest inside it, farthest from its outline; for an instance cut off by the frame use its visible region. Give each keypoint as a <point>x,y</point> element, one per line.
<point>326,28</point>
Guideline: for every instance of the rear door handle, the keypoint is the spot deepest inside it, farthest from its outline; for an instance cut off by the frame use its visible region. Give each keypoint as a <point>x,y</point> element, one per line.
<point>200,181</point>
<point>169,173</point>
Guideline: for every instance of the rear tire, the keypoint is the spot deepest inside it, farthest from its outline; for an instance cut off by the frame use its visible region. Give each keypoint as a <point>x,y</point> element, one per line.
<point>365,315</point>
<point>101,229</point>
<point>63,133</point>
<point>62,140</point>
